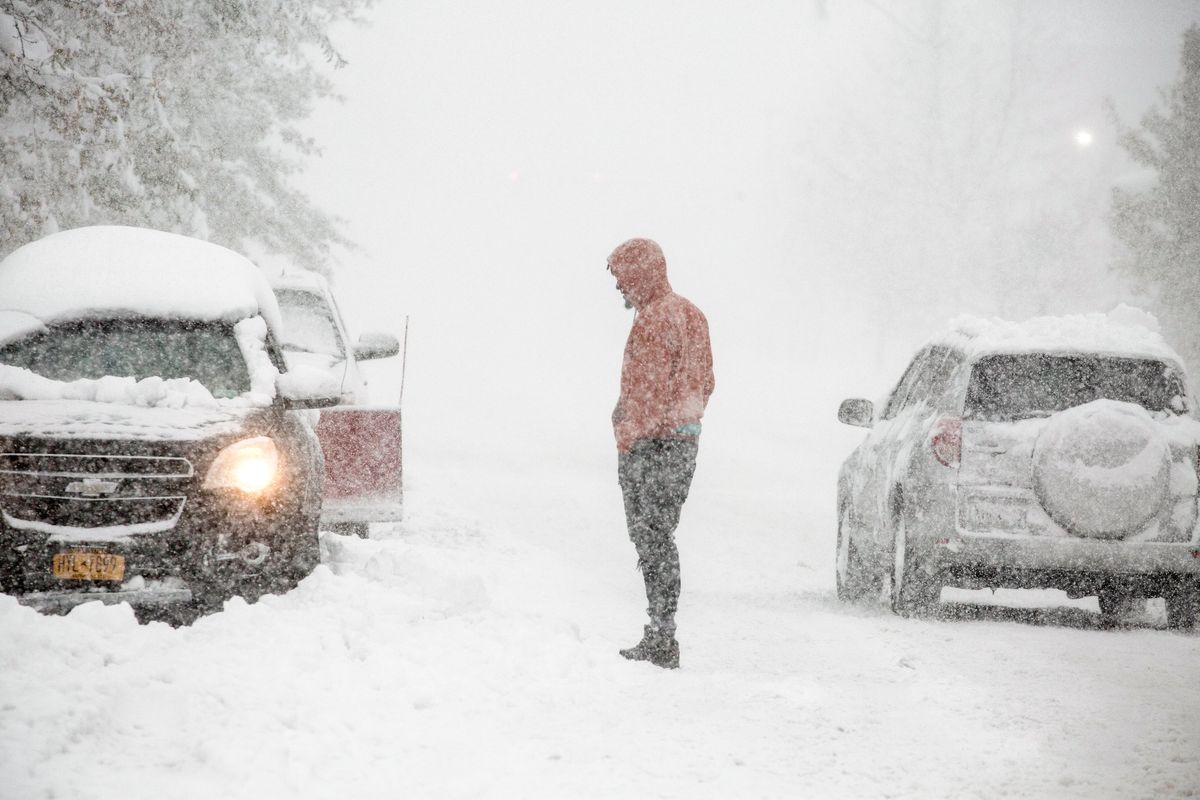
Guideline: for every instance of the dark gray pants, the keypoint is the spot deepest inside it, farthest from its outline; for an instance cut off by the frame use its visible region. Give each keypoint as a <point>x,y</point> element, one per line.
<point>655,476</point>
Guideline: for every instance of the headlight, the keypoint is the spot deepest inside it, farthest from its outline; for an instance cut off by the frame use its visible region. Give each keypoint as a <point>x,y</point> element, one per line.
<point>249,465</point>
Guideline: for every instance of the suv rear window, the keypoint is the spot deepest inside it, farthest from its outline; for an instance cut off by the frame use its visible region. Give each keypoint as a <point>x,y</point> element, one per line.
<point>1011,387</point>
<point>206,352</point>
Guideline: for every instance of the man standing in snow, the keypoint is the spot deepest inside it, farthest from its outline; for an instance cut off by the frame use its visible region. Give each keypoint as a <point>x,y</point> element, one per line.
<point>666,379</point>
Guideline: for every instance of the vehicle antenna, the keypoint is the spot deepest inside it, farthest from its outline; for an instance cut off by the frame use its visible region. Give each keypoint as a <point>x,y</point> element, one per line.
<point>403,361</point>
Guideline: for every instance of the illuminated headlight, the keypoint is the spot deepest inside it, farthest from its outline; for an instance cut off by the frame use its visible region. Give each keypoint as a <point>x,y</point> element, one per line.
<point>249,465</point>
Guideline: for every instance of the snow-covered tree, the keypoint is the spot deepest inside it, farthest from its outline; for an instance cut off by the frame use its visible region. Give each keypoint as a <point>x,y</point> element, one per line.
<point>1159,224</point>
<point>180,115</point>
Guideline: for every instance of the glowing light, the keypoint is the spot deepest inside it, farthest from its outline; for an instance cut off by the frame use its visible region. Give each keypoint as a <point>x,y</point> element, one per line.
<point>253,472</point>
<point>249,465</point>
<point>1084,138</point>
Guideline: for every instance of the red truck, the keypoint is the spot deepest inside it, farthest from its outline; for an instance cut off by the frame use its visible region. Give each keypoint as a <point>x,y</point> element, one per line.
<point>361,441</point>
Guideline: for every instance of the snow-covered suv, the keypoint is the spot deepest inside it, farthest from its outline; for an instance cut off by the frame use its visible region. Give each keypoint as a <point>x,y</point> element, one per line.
<point>1058,453</point>
<point>153,444</point>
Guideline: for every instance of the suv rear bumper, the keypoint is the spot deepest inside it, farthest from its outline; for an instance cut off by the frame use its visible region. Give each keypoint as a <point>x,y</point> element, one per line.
<point>1069,553</point>
<point>1078,566</point>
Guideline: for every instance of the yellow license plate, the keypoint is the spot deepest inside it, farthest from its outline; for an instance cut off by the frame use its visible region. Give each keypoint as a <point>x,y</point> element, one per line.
<point>89,566</point>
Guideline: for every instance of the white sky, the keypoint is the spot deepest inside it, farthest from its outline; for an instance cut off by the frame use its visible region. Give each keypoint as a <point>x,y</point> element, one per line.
<point>490,155</point>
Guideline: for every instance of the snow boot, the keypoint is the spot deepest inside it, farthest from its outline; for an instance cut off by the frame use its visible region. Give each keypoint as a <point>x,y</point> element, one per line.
<point>655,647</point>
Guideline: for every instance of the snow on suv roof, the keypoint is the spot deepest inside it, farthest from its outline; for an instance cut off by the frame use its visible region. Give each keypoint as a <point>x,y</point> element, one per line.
<point>1124,331</point>
<point>111,270</point>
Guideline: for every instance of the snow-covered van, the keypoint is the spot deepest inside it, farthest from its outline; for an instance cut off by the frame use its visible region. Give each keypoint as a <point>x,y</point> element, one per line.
<point>1060,453</point>
<point>361,440</point>
<point>154,446</point>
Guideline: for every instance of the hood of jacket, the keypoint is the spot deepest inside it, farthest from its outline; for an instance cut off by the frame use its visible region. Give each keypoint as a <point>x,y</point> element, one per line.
<point>641,271</point>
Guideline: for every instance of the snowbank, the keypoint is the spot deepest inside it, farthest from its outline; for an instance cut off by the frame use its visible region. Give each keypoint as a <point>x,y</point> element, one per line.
<point>445,660</point>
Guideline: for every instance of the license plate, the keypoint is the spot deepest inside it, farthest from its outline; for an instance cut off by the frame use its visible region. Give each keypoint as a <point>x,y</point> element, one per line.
<point>89,566</point>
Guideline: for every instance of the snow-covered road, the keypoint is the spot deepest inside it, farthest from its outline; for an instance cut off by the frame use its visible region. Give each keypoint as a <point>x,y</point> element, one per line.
<point>473,655</point>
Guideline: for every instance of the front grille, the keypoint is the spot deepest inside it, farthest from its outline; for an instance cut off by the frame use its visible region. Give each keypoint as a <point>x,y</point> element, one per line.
<point>90,513</point>
<point>114,466</point>
<point>56,491</point>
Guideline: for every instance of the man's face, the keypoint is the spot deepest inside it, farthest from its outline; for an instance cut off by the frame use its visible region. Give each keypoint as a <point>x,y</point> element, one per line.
<point>628,302</point>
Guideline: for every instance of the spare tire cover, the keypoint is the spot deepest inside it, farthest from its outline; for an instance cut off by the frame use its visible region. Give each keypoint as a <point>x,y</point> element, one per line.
<point>1101,469</point>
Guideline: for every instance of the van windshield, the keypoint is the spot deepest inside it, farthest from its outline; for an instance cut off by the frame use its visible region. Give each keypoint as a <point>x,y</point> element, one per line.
<point>308,325</point>
<point>1011,387</point>
<point>206,352</point>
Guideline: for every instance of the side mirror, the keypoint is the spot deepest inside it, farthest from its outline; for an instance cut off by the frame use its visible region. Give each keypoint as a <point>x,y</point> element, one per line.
<point>303,386</point>
<point>857,412</point>
<point>376,345</point>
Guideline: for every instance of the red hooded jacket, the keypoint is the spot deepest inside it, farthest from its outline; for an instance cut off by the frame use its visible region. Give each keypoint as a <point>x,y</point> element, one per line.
<point>667,375</point>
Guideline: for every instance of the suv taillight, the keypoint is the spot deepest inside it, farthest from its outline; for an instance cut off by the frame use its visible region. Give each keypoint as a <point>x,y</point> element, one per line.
<point>947,441</point>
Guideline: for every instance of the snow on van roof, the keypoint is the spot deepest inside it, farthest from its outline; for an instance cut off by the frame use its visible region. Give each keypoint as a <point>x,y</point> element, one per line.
<point>301,279</point>
<point>111,270</point>
<point>1123,331</point>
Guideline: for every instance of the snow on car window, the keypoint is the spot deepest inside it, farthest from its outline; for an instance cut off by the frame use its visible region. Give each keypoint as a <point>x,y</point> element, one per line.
<point>1010,387</point>
<point>207,352</point>
<point>307,324</point>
